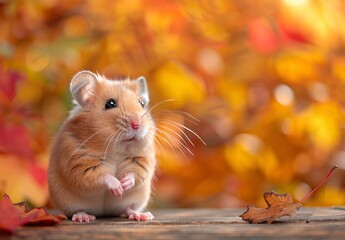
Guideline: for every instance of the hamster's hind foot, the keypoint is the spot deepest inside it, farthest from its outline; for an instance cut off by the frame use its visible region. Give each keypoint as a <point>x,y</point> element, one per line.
<point>83,217</point>
<point>141,216</point>
<point>135,215</point>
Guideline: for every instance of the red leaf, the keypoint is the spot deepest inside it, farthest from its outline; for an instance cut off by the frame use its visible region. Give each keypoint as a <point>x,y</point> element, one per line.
<point>14,216</point>
<point>39,173</point>
<point>8,83</point>
<point>10,217</point>
<point>262,36</point>
<point>15,139</point>
<point>293,34</point>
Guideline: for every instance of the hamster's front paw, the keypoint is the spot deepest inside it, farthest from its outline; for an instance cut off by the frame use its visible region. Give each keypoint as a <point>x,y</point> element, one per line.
<point>113,184</point>
<point>128,181</point>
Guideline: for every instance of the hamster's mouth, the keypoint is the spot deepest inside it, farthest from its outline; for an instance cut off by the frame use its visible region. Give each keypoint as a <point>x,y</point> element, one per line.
<point>130,139</point>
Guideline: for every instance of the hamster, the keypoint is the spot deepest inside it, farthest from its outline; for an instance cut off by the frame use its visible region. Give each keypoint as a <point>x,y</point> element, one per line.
<point>103,159</point>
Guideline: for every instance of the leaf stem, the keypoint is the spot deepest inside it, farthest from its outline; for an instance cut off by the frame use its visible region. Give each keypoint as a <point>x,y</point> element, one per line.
<point>320,184</point>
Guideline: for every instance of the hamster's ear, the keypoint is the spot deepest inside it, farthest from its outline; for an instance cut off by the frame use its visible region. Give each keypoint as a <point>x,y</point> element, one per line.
<point>81,86</point>
<point>143,90</point>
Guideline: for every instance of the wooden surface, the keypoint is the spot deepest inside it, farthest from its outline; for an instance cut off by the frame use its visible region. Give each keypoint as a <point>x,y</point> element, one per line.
<point>308,223</point>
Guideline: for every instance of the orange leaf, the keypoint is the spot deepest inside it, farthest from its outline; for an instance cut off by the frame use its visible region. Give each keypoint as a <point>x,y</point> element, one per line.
<point>279,205</point>
<point>43,218</point>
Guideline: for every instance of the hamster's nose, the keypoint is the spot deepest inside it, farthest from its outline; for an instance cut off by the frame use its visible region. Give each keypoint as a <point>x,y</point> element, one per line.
<point>135,123</point>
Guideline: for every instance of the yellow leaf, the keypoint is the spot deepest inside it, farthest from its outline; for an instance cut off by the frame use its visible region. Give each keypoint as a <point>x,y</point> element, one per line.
<point>172,80</point>
<point>242,155</point>
<point>338,68</point>
<point>249,153</point>
<point>298,66</point>
<point>235,93</point>
<point>321,122</point>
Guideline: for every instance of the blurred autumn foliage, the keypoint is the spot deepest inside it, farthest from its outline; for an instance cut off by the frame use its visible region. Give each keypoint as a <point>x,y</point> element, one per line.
<point>266,79</point>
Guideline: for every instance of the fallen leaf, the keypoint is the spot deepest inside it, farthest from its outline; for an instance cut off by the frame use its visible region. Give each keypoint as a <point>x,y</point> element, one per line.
<point>43,218</point>
<point>279,205</point>
<point>13,216</point>
<point>10,217</point>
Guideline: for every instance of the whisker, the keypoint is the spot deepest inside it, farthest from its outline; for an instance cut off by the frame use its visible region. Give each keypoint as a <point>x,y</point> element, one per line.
<point>177,142</point>
<point>158,146</point>
<point>188,117</point>
<point>121,126</point>
<point>177,134</point>
<point>168,138</point>
<point>186,128</point>
<point>88,139</point>
<point>150,136</point>
<point>164,139</point>
<point>171,133</point>
<point>181,130</point>
<point>112,136</point>
<point>155,106</point>
<point>118,139</point>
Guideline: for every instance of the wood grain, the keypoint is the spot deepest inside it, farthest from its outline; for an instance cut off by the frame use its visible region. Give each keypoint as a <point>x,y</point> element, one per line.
<point>311,223</point>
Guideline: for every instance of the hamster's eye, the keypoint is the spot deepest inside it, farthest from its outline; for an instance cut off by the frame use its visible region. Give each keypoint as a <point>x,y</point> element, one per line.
<point>111,103</point>
<point>142,103</point>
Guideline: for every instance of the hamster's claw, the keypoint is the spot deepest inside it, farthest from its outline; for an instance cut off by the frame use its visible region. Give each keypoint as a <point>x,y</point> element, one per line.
<point>128,181</point>
<point>141,216</point>
<point>83,217</point>
<point>117,191</point>
<point>135,215</point>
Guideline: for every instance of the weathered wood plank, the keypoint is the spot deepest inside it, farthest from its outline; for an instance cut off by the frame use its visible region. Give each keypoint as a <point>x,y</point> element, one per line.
<point>312,223</point>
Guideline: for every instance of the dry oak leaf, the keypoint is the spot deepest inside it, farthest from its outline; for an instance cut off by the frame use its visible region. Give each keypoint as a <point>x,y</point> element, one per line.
<point>279,205</point>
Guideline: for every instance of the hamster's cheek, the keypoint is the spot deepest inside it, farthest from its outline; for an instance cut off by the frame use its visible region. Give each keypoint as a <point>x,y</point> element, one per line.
<point>109,122</point>
<point>145,133</point>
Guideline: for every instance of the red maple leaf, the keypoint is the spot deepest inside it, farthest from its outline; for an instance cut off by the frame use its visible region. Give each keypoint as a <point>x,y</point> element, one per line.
<point>13,216</point>
<point>10,217</point>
